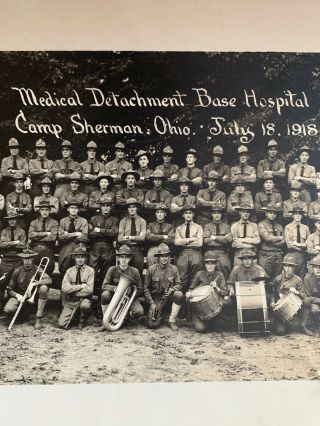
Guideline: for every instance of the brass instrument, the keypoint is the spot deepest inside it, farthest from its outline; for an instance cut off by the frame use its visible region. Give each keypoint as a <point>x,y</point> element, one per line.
<point>41,269</point>
<point>120,303</point>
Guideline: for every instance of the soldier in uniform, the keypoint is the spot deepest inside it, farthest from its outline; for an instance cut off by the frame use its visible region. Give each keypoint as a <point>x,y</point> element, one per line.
<point>158,232</point>
<point>294,200</point>
<point>63,168</point>
<point>179,201</point>
<point>112,279</point>
<point>313,240</point>
<point>296,234</point>
<point>157,194</point>
<point>75,193</point>
<point>217,165</point>
<point>303,173</point>
<point>104,181</point>
<point>169,170</point>
<point>144,171</point>
<point>12,165</point>
<point>209,275</point>
<point>20,280</point>
<point>217,238</point>
<point>244,232</point>
<point>77,289</point>
<point>91,168</point>
<point>73,230</point>
<point>314,206</point>
<point>268,195</point>
<point>311,294</point>
<point>117,167</point>
<point>163,288</point>
<point>130,191</point>
<point>40,167</point>
<point>46,185</point>
<point>188,241</point>
<point>272,241</point>
<point>243,170</point>
<point>240,195</point>
<point>271,166</point>
<point>132,232</point>
<point>12,241</point>
<point>19,201</point>
<point>206,198</point>
<point>191,172</point>
<point>43,234</point>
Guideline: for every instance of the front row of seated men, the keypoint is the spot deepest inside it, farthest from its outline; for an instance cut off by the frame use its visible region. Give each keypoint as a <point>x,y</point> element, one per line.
<point>78,284</point>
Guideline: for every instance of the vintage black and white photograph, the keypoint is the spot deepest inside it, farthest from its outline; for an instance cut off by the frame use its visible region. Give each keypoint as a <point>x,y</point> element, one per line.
<point>160,217</point>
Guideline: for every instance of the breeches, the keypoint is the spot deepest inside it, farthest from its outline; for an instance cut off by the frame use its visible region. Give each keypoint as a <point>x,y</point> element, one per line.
<point>65,257</point>
<point>68,307</point>
<point>136,309</point>
<point>45,251</point>
<point>12,304</point>
<point>101,257</point>
<point>176,297</point>
<point>188,262</point>
<point>201,326</point>
<point>137,259</point>
<point>271,262</point>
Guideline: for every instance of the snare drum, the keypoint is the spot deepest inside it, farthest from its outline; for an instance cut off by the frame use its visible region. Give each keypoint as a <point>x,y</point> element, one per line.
<point>205,302</point>
<point>288,306</point>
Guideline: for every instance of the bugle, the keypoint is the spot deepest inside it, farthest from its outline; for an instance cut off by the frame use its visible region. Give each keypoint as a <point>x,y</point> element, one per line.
<point>120,303</point>
<point>41,269</point>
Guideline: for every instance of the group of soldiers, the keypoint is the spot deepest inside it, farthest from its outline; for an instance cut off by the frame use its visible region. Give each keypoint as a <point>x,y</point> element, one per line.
<point>220,224</point>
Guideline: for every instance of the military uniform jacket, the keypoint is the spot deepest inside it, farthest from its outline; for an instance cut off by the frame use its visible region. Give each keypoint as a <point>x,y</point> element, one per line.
<point>108,226</point>
<point>37,171</point>
<point>237,231</point>
<point>7,164</point>
<point>276,166</point>
<point>66,166</point>
<point>291,235</point>
<point>289,204</point>
<point>21,277</point>
<point>169,170</point>
<point>113,275</point>
<point>156,196</point>
<point>21,201</point>
<point>313,244</point>
<point>195,231</point>
<point>309,173</point>
<point>86,168</point>
<point>81,225</point>
<point>206,197</point>
<point>123,194</point>
<point>116,167</point>
<point>263,198</point>
<point>224,238</point>
<point>125,230</point>
<point>159,278</point>
<point>311,289</point>
<point>54,201</point>
<point>222,170</point>
<point>246,172</point>
<point>281,285</point>
<point>69,286</point>
<point>180,200</point>
<point>153,235</point>
<point>190,173</point>
<point>36,229</point>
<point>96,196</point>
<point>144,183</point>
<point>6,245</point>
<point>235,200</point>
<point>81,197</point>
<point>267,231</point>
<point>205,278</point>
<point>240,273</point>
<point>314,209</point>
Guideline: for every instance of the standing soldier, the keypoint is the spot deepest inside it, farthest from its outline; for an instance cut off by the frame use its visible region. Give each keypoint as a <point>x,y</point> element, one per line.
<point>130,191</point>
<point>243,170</point>
<point>77,289</point>
<point>132,232</point>
<point>314,206</point>
<point>46,185</point>
<point>104,181</point>
<point>272,241</point>
<point>144,172</point>
<point>191,172</point>
<point>12,241</point>
<point>240,195</point>
<point>163,288</point>
<point>74,193</point>
<point>169,170</point>
<point>179,201</point>
<point>217,165</point>
<point>294,200</point>
<point>117,167</point>
<point>19,283</point>
<point>268,195</point>
<point>188,240</point>
<point>12,165</point>
<point>63,168</point>
<point>244,232</point>
<point>206,198</point>
<point>303,173</point>
<point>217,238</point>
<point>296,234</point>
<point>313,241</point>
<point>19,201</point>
<point>91,168</point>
<point>158,232</point>
<point>43,234</point>
<point>271,166</point>
<point>157,195</point>
<point>40,167</point>
<point>311,294</point>
<point>73,230</point>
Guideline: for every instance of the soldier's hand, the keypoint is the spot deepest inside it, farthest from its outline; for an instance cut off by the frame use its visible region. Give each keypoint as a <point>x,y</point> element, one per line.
<point>213,284</point>
<point>152,310</point>
<point>226,298</point>
<point>96,229</point>
<point>231,291</point>
<point>19,297</point>
<point>272,304</point>
<point>293,290</point>
<point>188,295</point>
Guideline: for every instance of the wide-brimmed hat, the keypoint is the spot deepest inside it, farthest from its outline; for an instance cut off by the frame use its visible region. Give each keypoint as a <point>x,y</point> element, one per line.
<point>12,216</point>
<point>289,260</point>
<point>105,199</point>
<point>46,181</point>
<point>40,143</point>
<point>297,209</point>
<point>163,250</point>
<point>66,144</point>
<point>157,174</point>
<point>130,172</point>
<point>75,176</point>
<point>210,257</point>
<point>217,150</point>
<point>243,150</point>
<point>192,151</point>
<point>247,254</point>
<point>133,201</point>
<point>316,218</point>
<point>167,150</point>
<point>13,143</point>
<point>142,152</point>
<point>45,203</point>
<point>18,176</point>
<point>124,250</point>
<point>315,261</point>
<point>92,145</point>
<point>216,207</point>
<point>272,144</point>
<point>188,207</point>
<point>294,185</point>
<point>304,148</point>
<point>213,175</point>
<point>271,207</point>
<point>120,145</point>
<point>80,249</point>
<point>104,175</point>
<point>73,201</point>
<point>240,181</point>
<point>185,180</point>
<point>161,206</point>
<point>245,206</point>
<point>27,253</point>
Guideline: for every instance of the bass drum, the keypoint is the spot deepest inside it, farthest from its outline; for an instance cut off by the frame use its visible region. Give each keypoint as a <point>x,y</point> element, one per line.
<point>205,302</point>
<point>252,310</point>
<point>288,306</point>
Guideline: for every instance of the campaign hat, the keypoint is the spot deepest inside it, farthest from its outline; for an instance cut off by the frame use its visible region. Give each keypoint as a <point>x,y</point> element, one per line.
<point>289,260</point>
<point>73,201</point>
<point>13,143</point>
<point>12,215</point>
<point>217,150</point>
<point>105,199</point>
<point>167,150</point>
<point>92,145</point>
<point>210,257</point>
<point>243,150</point>
<point>124,249</point>
<point>142,152</point>
<point>213,175</point>
<point>216,207</point>
<point>40,143</point>
<point>27,253</point>
<point>133,201</point>
<point>161,206</point>
<point>66,144</point>
<point>45,203</point>
<point>46,181</point>
<point>247,254</point>
<point>163,249</point>
<point>315,261</point>
<point>130,172</point>
<point>80,249</point>
<point>188,207</point>
<point>75,176</point>
<point>271,207</point>
<point>157,174</point>
<point>272,144</point>
<point>104,175</point>
<point>120,145</point>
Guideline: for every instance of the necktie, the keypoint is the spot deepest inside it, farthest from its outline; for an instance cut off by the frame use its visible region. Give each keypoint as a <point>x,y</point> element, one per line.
<point>160,228</point>
<point>66,168</point>
<point>42,163</point>
<point>298,234</point>
<point>217,229</point>
<point>72,227</point>
<point>244,229</point>
<point>158,196</point>
<point>14,163</point>
<point>189,173</point>
<point>242,169</point>
<point>184,199</point>
<point>188,230</point>
<point>78,276</point>
<point>268,197</point>
<point>210,195</point>
<point>274,231</point>
<point>12,234</point>
<point>44,225</point>
<point>133,231</point>
<point>239,199</point>
<point>302,171</point>
<point>91,169</point>
<point>18,200</point>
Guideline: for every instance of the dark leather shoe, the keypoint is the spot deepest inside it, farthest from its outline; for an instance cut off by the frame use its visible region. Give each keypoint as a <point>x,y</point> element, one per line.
<point>173,326</point>
<point>307,331</point>
<point>81,325</point>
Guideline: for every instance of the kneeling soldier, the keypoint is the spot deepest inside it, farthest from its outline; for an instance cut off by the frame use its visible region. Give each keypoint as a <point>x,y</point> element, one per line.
<point>19,283</point>
<point>311,293</point>
<point>162,286</point>
<point>77,289</point>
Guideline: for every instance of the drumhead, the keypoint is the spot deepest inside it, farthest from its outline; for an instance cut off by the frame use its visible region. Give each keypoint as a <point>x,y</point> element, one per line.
<point>200,293</point>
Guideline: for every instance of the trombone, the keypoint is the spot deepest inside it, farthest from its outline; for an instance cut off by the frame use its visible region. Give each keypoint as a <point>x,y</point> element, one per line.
<point>41,269</point>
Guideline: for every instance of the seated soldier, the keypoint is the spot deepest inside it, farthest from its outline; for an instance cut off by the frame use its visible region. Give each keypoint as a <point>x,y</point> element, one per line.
<point>144,172</point>
<point>117,167</point>
<point>217,238</point>
<point>91,168</point>
<point>238,196</point>
<point>217,165</point>
<point>303,173</point>
<point>73,230</point>
<point>12,241</point>
<point>191,172</point>
<point>294,200</point>
<point>112,279</point>
<point>208,276</point>
<point>157,195</point>
<point>243,170</point>
<point>266,196</point>
<point>206,198</point>
<point>19,201</point>
<point>313,240</point>
<point>272,241</point>
<point>104,182</point>
<point>132,231</point>
<point>284,283</point>
<point>130,191</point>
<point>43,234</point>
<point>157,232</point>
<point>77,289</point>
<point>314,206</point>
<point>19,283</point>
<point>244,232</point>
<point>163,288</point>
<point>311,294</point>
<point>179,201</point>
<point>40,167</point>
<point>272,166</point>
<point>46,185</point>
<point>296,234</point>
<point>74,193</point>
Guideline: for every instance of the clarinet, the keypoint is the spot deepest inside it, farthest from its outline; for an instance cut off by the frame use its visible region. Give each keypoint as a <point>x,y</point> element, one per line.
<point>162,303</point>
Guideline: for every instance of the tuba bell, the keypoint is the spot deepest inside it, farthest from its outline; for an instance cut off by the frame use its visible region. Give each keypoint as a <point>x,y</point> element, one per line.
<point>120,303</point>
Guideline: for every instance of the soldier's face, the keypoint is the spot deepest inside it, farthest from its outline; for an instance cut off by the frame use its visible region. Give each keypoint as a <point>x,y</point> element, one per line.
<point>297,217</point>
<point>105,208</point>
<point>244,214</point>
<point>73,210</point>
<point>184,188</point>
<point>132,209</point>
<point>243,159</point>
<point>294,193</point>
<point>124,260</point>
<point>131,180</point>
<point>188,215</point>
<point>18,184</point>
<point>216,216</point>
<point>74,185</point>
<point>271,215</point>
<point>268,185</point>
<point>212,184</point>
<point>166,158</point>
<point>304,157</point>
<point>41,152</point>
<point>14,151</point>
<point>288,270</point>
<point>12,222</point>
<point>190,159</point>
<point>66,153</point>
<point>119,153</point>
<point>91,154</point>
<point>247,262</point>
<point>143,161</point>
<point>80,259</point>
<point>273,152</point>
<point>210,266</point>
<point>164,259</point>
<point>316,271</point>
<point>157,183</point>
<point>160,215</point>
<point>104,183</point>
<point>240,188</point>
<point>216,159</point>
<point>46,189</point>
<point>44,212</point>
<point>27,262</point>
